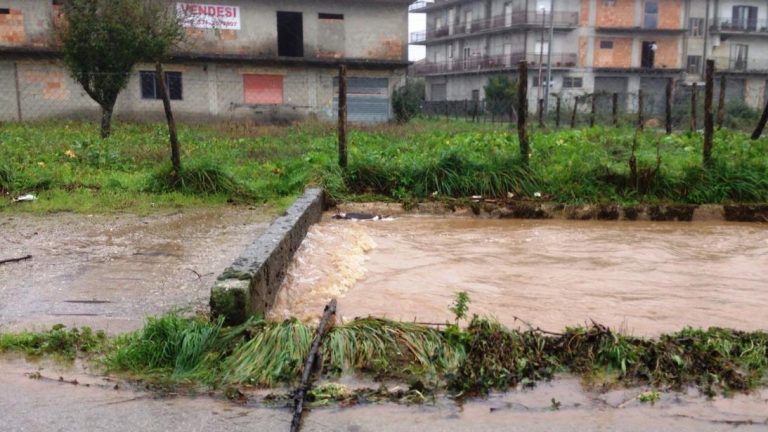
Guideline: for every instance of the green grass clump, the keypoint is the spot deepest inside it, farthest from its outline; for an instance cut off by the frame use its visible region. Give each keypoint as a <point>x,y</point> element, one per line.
<point>201,178</point>
<point>58,341</point>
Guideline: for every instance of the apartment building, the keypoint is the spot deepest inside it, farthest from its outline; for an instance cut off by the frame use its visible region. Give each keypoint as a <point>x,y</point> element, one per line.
<point>241,59</point>
<point>609,46</point>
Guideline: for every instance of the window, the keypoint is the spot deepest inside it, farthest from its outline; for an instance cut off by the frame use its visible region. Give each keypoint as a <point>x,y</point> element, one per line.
<point>150,89</point>
<point>694,64</point>
<point>263,89</point>
<point>329,16</point>
<point>290,34</point>
<point>744,18</point>
<point>606,44</point>
<point>5,11</point>
<point>438,92</point>
<point>651,20</point>
<point>475,95</point>
<point>535,81</point>
<point>450,51</point>
<point>739,57</point>
<point>573,82</point>
<point>609,2</point>
<point>696,27</point>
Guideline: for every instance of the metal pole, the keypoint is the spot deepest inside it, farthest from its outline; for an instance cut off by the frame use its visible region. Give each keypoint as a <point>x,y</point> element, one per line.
<point>706,38</point>
<point>549,53</point>
<point>541,51</point>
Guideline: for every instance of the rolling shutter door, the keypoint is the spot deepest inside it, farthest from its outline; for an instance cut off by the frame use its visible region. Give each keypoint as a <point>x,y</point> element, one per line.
<point>367,99</point>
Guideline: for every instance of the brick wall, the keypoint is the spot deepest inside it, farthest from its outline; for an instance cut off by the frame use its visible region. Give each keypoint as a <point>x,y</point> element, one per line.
<point>621,14</point>
<point>667,53</point>
<point>583,48</point>
<point>619,56</point>
<point>669,14</point>
<point>584,13</point>
<point>12,28</point>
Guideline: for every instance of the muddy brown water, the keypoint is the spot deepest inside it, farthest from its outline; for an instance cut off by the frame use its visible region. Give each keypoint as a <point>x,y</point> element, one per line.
<point>644,278</point>
<point>110,272</point>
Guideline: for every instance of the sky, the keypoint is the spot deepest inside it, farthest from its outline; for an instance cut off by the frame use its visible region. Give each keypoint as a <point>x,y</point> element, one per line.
<point>416,22</point>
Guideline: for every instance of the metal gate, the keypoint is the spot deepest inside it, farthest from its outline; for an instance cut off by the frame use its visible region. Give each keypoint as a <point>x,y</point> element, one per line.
<point>367,99</point>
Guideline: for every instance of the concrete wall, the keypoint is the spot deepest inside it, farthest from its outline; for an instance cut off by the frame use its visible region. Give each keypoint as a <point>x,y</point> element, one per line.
<point>211,91</point>
<point>251,283</point>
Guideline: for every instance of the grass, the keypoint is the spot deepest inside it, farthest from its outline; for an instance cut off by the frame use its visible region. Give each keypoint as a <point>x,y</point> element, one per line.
<point>69,168</point>
<point>471,361</point>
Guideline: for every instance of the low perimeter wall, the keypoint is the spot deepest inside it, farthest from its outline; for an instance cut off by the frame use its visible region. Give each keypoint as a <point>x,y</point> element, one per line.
<point>251,283</point>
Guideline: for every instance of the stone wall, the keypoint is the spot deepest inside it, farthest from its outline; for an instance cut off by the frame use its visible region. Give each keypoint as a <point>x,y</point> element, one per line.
<point>250,284</point>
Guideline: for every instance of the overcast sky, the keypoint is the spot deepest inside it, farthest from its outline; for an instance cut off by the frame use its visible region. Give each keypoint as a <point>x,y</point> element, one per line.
<point>416,22</point>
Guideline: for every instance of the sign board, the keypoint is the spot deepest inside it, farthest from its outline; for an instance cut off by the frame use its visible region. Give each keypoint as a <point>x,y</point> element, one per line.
<point>209,16</point>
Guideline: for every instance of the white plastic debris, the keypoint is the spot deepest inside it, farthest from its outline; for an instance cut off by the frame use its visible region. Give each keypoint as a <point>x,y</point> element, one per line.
<point>537,194</point>
<point>27,197</point>
<point>510,195</point>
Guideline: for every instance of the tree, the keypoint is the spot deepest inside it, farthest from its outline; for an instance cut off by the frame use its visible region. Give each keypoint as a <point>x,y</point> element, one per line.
<point>102,40</point>
<point>407,100</point>
<point>500,95</point>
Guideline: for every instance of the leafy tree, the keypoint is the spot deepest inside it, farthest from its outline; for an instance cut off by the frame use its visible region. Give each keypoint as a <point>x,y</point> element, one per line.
<point>102,40</point>
<point>407,100</point>
<point>500,94</point>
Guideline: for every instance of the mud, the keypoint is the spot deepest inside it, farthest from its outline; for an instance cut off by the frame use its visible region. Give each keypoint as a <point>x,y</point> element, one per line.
<point>33,398</point>
<point>644,278</point>
<point>110,272</point>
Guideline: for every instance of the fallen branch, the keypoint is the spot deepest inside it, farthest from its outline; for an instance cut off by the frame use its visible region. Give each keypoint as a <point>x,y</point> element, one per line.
<point>309,365</point>
<point>12,260</point>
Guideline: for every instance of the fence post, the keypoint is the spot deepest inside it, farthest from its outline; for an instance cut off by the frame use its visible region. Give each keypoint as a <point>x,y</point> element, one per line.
<point>670,84</point>
<point>575,108</point>
<point>540,108</point>
<point>640,119</point>
<point>592,110</point>
<point>175,154</point>
<point>708,123</point>
<point>694,90</point>
<point>557,112</point>
<point>18,90</point>
<point>522,110</point>
<point>721,103</point>
<point>343,116</point>
<point>615,109</point>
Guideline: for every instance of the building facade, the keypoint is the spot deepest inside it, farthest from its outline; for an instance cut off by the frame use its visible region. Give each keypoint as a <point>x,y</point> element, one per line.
<point>241,59</point>
<point>611,46</point>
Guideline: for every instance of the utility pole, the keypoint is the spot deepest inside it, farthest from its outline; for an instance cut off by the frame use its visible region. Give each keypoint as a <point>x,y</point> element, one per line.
<point>706,38</point>
<point>549,53</point>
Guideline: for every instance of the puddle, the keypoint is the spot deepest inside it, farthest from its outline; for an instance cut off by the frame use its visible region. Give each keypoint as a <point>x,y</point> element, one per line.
<point>645,278</point>
<point>110,272</point>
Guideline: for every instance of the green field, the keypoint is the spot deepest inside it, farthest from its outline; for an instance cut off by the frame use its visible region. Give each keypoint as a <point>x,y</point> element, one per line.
<point>69,168</point>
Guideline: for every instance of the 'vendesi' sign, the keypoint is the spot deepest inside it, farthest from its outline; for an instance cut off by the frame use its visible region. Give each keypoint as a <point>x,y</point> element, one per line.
<point>209,16</point>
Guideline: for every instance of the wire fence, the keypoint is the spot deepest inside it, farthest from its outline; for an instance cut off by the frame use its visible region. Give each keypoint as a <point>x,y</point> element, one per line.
<point>648,109</point>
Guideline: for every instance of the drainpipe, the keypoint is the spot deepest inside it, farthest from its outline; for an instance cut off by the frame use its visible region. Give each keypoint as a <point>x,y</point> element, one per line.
<point>549,53</point>
<point>706,38</point>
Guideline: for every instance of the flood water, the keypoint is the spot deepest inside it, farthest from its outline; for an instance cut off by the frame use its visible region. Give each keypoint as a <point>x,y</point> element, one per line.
<point>112,271</point>
<point>644,278</point>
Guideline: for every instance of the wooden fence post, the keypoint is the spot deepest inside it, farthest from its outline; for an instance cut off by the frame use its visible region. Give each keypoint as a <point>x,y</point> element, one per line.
<point>615,109</point>
<point>175,153</point>
<point>557,112</point>
<point>575,109</point>
<point>721,102</point>
<point>640,119</point>
<point>540,109</point>
<point>668,122</point>
<point>343,116</point>
<point>592,110</point>
<point>694,90</point>
<point>708,120</point>
<point>522,110</point>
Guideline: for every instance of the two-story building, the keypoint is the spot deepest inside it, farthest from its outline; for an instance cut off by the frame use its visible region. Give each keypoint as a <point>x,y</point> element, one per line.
<point>241,59</point>
<point>612,46</point>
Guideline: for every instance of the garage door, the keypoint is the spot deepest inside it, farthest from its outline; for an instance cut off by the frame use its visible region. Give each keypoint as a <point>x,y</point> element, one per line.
<point>367,99</point>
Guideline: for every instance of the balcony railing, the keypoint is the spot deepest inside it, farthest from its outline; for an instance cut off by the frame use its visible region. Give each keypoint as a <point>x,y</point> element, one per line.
<point>741,64</point>
<point>728,25</point>
<point>499,22</point>
<point>418,5</point>
<point>490,63</point>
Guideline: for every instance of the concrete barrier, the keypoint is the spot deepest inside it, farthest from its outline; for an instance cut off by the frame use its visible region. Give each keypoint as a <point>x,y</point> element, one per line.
<point>251,283</point>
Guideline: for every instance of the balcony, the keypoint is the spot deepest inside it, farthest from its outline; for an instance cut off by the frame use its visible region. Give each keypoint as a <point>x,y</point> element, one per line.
<point>741,65</point>
<point>642,29</point>
<point>739,26</point>
<point>516,20</point>
<point>493,63</point>
<point>418,5</point>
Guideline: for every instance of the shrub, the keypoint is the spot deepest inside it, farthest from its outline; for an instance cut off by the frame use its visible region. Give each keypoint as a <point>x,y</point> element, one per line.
<point>500,94</point>
<point>407,100</point>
